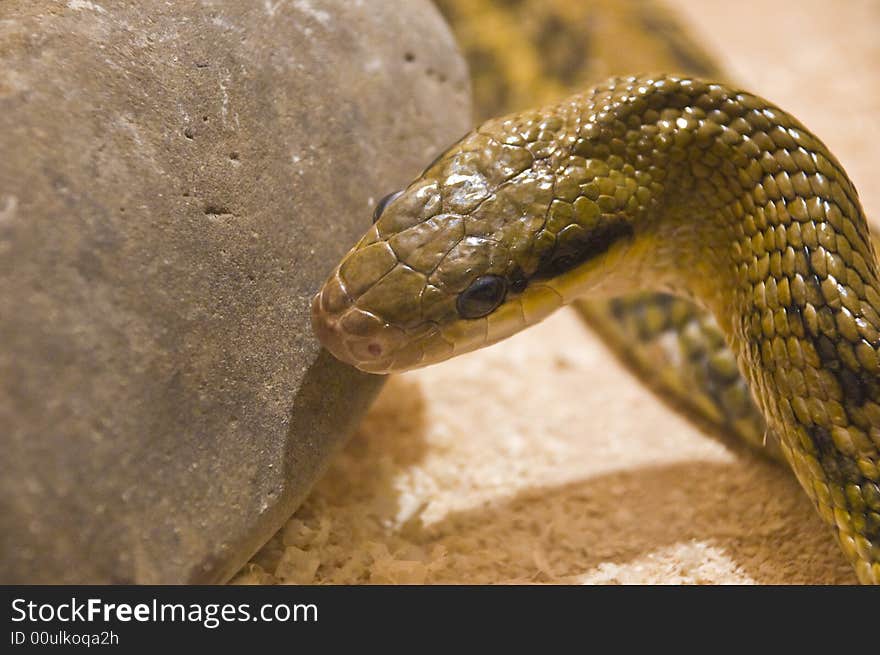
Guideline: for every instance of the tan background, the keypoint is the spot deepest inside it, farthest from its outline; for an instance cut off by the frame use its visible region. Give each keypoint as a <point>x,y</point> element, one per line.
<point>542,460</point>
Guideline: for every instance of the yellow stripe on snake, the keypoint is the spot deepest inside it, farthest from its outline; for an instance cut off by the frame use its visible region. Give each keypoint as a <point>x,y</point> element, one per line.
<point>661,183</point>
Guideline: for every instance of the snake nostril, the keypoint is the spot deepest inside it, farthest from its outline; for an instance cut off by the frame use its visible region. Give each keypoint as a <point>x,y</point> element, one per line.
<point>374,349</point>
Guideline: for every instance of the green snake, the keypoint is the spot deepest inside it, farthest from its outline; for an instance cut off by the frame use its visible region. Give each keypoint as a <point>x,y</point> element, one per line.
<point>662,183</point>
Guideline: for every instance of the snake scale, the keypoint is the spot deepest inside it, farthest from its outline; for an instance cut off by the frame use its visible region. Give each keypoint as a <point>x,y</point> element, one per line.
<point>664,183</point>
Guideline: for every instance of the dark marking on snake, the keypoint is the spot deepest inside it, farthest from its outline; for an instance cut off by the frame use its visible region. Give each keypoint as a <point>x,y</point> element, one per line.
<point>856,388</point>
<point>518,281</point>
<point>383,203</point>
<point>562,259</point>
<point>566,60</point>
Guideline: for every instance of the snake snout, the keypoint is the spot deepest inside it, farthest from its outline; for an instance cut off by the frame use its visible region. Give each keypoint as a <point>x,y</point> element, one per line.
<point>356,337</point>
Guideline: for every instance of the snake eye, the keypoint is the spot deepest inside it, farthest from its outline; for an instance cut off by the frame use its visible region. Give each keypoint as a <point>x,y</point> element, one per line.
<point>482,296</point>
<point>382,204</point>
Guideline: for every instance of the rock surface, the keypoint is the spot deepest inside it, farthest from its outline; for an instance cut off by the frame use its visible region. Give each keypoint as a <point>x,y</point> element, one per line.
<point>176,180</point>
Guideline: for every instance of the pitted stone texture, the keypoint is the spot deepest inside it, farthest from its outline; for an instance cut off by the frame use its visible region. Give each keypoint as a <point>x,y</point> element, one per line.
<point>176,181</point>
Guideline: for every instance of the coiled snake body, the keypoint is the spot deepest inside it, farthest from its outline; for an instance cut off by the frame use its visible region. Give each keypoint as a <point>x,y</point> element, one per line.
<point>661,183</point>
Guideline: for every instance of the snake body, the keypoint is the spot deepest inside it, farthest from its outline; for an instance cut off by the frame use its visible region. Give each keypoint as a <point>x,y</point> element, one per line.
<point>533,52</point>
<point>664,183</point>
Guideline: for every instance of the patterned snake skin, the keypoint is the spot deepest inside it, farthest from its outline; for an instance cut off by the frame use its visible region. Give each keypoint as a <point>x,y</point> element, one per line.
<point>657,182</point>
<point>523,52</point>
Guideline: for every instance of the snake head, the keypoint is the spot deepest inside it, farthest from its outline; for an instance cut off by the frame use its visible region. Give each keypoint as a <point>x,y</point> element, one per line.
<point>475,249</point>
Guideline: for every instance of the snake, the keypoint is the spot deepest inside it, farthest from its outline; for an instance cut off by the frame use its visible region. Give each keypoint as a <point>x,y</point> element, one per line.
<point>662,183</point>
<point>527,52</point>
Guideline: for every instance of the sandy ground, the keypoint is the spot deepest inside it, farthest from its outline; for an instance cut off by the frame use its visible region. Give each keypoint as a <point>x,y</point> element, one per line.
<point>542,460</point>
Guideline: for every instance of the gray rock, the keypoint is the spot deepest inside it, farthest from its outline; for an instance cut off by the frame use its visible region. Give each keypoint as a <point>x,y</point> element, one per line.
<point>176,179</point>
